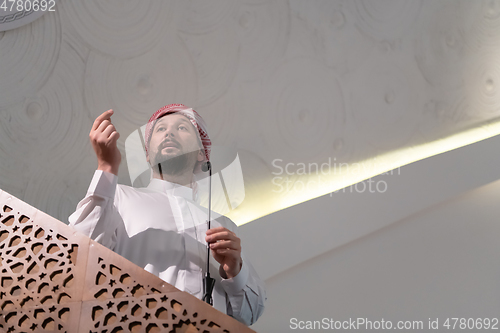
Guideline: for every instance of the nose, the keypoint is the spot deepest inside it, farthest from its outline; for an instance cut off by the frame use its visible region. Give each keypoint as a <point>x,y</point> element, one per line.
<point>169,132</point>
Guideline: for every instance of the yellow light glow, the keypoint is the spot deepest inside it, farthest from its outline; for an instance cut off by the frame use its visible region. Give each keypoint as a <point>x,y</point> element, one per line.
<point>267,201</point>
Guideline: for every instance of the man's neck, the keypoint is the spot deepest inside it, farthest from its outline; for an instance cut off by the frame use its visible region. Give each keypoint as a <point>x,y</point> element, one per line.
<point>183,179</point>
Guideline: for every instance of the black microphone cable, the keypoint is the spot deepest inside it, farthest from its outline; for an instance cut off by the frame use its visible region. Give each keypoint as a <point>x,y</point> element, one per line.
<point>208,282</point>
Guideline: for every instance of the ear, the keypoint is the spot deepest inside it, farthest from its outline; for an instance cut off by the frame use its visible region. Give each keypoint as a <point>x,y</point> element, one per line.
<point>147,158</point>
<point>201,156</point>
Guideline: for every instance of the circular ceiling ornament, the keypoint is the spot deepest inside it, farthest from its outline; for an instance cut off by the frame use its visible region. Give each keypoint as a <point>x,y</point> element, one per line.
<point>121,29</point>
<point>15,14</point>
<point>386,101</point>
<point>305,112</point>
<point>29,55</point>
<point>379,18</point>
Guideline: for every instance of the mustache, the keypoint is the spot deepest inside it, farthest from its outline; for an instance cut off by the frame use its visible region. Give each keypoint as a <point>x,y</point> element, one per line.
<point>164,143</point>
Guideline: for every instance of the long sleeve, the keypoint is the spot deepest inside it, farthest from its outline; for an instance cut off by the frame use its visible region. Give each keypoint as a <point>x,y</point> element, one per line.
<point>96,215</point>
<point>246,293</point>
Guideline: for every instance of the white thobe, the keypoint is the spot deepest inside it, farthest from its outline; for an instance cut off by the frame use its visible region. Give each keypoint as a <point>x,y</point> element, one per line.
<point>161,229</point>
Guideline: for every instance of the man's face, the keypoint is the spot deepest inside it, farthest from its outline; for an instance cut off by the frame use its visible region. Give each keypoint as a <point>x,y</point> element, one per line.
<point>174,138</point>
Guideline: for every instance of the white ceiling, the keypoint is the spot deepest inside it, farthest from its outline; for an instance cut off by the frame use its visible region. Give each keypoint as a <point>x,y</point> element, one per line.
<point>299,81</point>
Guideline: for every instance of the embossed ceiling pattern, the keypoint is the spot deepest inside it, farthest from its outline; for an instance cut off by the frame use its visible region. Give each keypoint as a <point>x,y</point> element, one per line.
<point>275,79</point>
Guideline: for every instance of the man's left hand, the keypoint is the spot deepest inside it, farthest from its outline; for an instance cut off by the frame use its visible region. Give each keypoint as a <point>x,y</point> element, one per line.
<point>226,249</point>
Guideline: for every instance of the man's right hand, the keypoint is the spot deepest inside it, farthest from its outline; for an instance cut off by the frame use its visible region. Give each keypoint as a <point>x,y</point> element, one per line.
<point>103,137</point>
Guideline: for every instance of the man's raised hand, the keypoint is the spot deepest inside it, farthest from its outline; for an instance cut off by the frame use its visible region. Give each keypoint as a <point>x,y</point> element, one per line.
<point>103,137</point>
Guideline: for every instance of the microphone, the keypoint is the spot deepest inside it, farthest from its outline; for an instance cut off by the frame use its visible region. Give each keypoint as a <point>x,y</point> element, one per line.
<point>208,282</point>
<point>205,167</point>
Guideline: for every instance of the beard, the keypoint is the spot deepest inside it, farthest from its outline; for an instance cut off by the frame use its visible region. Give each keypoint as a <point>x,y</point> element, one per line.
<point>172,165</point>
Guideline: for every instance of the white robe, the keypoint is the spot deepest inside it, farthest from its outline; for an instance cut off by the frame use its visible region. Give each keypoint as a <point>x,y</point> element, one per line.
<point>163,230</point>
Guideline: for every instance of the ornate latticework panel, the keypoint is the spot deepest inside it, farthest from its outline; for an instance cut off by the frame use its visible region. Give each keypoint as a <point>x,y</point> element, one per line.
<point>42,265</point>
<point>55,279</point>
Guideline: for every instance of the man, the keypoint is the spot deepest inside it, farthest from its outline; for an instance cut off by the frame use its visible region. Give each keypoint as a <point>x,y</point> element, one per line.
<point>161,227</point>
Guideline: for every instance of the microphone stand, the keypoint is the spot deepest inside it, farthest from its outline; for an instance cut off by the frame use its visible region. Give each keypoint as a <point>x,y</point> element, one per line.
<point>208,282</point>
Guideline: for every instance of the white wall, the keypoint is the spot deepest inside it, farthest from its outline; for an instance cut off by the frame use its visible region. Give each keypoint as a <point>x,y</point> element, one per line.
<point>441,262</point>
<point>426,247</point>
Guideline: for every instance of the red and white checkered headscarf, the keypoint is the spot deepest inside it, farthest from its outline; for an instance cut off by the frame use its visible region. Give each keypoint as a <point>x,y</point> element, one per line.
<point>191,114</point>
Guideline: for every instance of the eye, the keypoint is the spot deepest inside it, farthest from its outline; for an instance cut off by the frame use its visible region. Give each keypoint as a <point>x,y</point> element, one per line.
<point>161,128</point>
<point>182,127</point>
